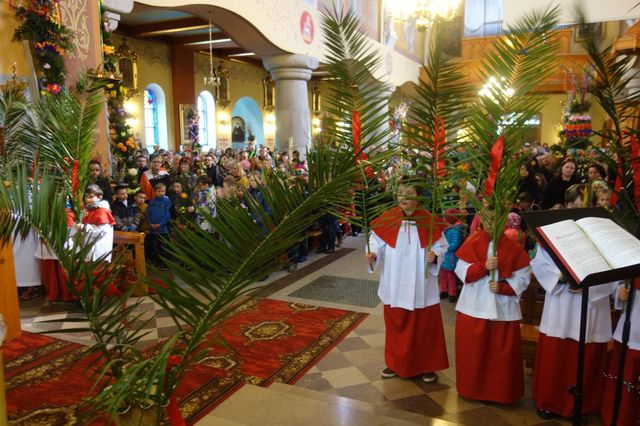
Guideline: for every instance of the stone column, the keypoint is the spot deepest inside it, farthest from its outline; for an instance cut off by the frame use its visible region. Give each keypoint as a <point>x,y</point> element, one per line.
<point>293,119</point>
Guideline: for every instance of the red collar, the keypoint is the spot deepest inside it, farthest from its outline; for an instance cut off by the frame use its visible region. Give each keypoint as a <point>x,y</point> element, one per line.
<point>99,216</point>
<point>387,226</point>
<point>511,255</point>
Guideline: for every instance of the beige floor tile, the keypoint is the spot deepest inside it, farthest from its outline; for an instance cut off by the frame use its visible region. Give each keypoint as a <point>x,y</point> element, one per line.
<point>365,356</point>
<point>343,377</point>
<point>375,340</point>
<point>451,402</point>
<point>397,388</point>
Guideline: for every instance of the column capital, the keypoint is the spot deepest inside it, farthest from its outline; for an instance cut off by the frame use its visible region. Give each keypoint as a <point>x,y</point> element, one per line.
<point>290,66</point>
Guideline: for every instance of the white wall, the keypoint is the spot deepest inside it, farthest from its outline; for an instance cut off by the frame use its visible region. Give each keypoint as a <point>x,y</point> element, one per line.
<point>596,10</point>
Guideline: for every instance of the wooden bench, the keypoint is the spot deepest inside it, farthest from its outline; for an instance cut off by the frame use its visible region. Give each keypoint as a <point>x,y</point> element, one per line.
<point>135,239</point>
<point>314,240</point>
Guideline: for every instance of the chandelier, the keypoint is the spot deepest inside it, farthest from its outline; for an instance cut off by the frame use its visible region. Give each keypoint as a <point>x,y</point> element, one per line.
<point>213,78</point>
<point>425,12</point>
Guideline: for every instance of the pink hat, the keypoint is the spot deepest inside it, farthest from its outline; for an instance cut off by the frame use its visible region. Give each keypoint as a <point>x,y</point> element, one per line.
<point>513,221</point>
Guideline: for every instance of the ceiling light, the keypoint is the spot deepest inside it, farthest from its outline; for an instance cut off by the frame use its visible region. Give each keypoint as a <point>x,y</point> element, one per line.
<point>219,40</point>
<point>242,54</point>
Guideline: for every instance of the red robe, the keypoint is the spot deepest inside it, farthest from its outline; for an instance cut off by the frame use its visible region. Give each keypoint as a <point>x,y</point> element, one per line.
<point>489,353</point>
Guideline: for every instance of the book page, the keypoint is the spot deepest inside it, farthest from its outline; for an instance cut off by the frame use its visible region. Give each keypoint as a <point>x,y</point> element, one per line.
<point>618,246</point>
<point>575,249</point>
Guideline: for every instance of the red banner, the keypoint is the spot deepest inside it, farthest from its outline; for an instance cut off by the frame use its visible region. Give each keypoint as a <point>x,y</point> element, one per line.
<point>496,160</point>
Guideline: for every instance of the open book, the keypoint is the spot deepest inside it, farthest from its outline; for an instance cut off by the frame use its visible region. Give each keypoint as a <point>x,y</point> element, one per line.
<point>590,245</point>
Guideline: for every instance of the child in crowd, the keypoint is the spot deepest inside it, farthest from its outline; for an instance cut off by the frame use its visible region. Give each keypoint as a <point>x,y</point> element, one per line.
<point>514,229</point>
<point>97,225</point>
<point>414,338</point>
<point>205,199</point>
<point>557,350</point>
<point>488,343</point>
<point>139,199</point>
<point>183,207</point>
<point>629,411</point>
<point>125,211</point>
<point>158,217</point>
<point>602,197</point>
<point>454,233</point>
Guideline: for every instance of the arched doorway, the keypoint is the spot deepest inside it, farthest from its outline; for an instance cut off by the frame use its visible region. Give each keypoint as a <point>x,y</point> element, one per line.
<point>248,110</point>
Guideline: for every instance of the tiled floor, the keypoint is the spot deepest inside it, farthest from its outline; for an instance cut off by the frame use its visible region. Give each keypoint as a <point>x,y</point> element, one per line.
<point>345,387</point>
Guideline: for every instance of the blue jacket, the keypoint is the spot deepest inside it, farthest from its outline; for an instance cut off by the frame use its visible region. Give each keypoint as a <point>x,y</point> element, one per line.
<point>455,236</point>
<point>159,211</point>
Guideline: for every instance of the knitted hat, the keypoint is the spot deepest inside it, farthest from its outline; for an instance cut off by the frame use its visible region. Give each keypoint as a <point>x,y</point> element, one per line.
<point>513,221</point>
<point>451,215</point>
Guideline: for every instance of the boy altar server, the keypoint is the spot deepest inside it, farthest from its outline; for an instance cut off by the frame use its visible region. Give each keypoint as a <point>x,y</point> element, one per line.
<point>488,343</point>
<point>414,340</point>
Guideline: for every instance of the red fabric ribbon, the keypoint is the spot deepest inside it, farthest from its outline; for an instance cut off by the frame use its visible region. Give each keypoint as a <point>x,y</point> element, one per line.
<point>173,410</point>
<point>75,182</point>
<point>496,160</point>
<point>356,131</point>
<point>439,140</point>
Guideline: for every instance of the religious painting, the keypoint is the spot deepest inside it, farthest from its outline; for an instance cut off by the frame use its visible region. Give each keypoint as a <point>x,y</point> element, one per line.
<point>238,129</point>
<point>128,67</point>
<point>185,110</point>
<point>597,29</point>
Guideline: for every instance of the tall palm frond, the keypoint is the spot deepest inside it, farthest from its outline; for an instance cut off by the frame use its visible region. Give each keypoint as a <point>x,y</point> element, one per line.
<point>12,112</point>
<point>358,113</point>
<point>515,68</point>
<point>59,132</point>
<point>610,75</point>
<point>437,112</point>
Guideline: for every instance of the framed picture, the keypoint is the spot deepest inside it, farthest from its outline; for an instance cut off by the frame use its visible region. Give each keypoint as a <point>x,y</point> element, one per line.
<point>238,129</point>
<point>185,109</point>
<point>579,32</point>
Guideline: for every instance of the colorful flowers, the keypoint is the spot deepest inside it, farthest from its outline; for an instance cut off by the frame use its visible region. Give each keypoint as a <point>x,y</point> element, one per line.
<point>53,88</point>
<point>108,50</point>
<point>47,46</point>
<point>184,195</point>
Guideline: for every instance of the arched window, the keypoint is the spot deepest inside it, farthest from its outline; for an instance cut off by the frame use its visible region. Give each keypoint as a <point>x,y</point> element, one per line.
<point>151,131</point>
<point>207,120</point>
<point>155,117</point>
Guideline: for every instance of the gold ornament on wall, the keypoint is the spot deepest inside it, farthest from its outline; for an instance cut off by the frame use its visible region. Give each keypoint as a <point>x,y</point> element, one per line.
<point>128,68</point>
<point>268,93</point>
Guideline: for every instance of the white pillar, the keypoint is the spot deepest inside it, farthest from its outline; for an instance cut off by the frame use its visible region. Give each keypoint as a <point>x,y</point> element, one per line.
<point>293,119</point>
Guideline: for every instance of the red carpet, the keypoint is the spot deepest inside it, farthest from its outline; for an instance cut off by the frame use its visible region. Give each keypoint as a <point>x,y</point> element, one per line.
<point>268,341</point>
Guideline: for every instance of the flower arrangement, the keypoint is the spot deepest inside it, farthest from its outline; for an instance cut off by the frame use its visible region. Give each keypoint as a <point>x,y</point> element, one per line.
<point>123,145</point>
<point>41,24</point>
<point>576,121</point>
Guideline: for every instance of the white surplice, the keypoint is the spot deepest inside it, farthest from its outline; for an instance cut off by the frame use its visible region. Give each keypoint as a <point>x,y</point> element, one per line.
<point>561,312</point>
<point>634,336</point>
<point>26,264</point>
<point>402,280</point>
<point>476,300</point>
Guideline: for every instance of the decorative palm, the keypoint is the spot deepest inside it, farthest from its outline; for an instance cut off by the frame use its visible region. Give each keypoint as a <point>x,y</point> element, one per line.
<point>358,113</point>
<point>609,78</point>
<point>514,68</point>
<point>12,111</point>
<point>437,113</point>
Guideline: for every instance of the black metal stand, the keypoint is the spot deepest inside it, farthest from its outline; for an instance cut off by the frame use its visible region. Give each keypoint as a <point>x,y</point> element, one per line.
<point>537,219</point>
<point>626,331</point>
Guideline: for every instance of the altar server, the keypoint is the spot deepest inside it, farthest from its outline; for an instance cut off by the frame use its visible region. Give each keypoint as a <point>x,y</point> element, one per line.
<point>414,340</point>
<point>488,343</point>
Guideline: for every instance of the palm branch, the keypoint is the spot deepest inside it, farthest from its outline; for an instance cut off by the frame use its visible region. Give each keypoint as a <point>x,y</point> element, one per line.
<point>59,131</point>
<point>357,113</point>
<point>610,77</point>
<point>437,112</point>
<point>12,112</point>
<point>516,66</point>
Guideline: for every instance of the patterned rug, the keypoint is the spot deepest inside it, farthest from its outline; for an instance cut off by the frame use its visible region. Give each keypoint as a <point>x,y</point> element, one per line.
<point>348,291</point>
<point>265,341</point>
